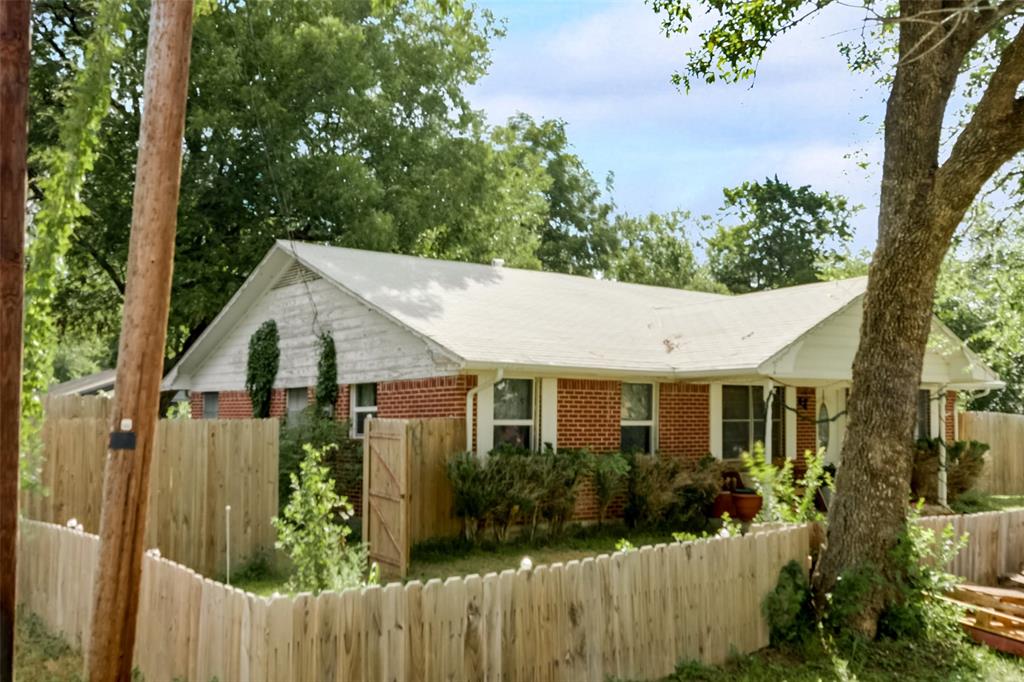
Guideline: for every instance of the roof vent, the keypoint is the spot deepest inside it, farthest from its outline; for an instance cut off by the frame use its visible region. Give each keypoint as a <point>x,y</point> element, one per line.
<point>498,262</point>
<point>296,274</point>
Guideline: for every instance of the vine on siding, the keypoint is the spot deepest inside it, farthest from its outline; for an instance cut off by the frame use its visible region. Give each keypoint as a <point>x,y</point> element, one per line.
<point>326,375</point>
<point>261,368</point>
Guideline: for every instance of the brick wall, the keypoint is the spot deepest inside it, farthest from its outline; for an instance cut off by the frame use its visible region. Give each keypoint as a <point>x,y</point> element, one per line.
<point>589,414</point>
<point>195,403</point>
<point>234,405</point>
<point>433,397</point>
<point>278,402</point>
<point>684,420</point>
<point>806,422</point>
<point>950,417</point>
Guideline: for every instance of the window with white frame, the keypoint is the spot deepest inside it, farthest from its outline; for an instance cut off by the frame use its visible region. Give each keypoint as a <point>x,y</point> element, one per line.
<point>637,421</point>
<point>298,400</point>
<point>211,405</point>
<point>513,413</point>
<point>743,420</point>
<point>364,406</point>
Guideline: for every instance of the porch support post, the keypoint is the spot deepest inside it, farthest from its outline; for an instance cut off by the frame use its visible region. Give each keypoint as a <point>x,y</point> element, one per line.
<point>942,449</point>
<point>769,388</point>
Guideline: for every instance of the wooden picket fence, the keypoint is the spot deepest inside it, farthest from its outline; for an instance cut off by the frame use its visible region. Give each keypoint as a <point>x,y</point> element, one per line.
<point>1004,464</point>
<point>630,614</point>
<point>199,467</point>
<point>995,544</point>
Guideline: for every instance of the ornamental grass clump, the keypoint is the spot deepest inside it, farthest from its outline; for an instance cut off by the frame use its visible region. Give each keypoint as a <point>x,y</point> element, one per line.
<point>313,530</point>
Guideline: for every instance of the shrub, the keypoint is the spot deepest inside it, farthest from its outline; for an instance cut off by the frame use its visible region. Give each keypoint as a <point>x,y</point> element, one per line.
<point>342,455</point>
<point>312,531</point>
<point>472,497</point>
<point>695,498</point>
<point>327,375</point>
<point>558,484</point>
<point>924,478</point>
<point>786,500</point>
<point>964,462</point>
<point>261,367</point>
<point>515,485</point>
<point>788,609</point>
<point>651,488</point>
<point>609,473</point>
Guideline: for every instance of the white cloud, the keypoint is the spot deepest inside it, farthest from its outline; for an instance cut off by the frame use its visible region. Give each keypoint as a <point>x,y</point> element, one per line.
<point>605,69</point>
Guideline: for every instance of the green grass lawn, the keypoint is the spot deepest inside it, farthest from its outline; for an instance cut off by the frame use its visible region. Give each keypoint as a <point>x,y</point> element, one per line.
<point>445,558</point>
<point>872,662</point>
<point>39,656</point>
<point>973,502</point>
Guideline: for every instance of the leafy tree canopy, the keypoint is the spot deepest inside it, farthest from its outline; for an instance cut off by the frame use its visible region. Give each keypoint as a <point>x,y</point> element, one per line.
<point>777,235</point>
<point>980,296</point>
<point>655,250</point>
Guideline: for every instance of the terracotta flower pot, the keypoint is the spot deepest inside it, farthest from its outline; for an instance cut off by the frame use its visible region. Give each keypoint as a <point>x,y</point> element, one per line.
<point>723,505</point>
<point>746,505</point>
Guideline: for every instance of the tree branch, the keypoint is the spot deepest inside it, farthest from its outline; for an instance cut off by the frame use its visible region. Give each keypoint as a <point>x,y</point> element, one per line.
<point>102,262</point>
<point>993,135</point>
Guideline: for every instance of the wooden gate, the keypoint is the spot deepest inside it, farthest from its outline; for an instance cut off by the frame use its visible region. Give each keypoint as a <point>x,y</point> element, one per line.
<point>385,494</point>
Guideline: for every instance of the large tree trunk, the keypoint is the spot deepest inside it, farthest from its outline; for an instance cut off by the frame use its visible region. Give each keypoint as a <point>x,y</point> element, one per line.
<point>922,202</point>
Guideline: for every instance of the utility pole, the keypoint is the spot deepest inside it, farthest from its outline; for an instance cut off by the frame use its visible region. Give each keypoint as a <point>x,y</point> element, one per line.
<point>143,335</point>
<point>14,61</point>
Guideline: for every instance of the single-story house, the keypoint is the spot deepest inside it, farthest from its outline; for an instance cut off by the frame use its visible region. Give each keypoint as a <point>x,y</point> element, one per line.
<point>543,358</point>
<point>92,384</point>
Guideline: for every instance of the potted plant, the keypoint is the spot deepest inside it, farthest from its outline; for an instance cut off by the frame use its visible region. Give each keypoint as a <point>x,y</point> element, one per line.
<point>747,503</point>
<point>723,501</point>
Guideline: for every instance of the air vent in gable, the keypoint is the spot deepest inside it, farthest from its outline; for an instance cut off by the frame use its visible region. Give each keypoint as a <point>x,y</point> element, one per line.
<point>295,274</point>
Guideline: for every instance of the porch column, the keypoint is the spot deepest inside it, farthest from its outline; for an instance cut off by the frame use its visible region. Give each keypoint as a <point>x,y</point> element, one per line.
<point>769,387</point>
<point>942,450</point>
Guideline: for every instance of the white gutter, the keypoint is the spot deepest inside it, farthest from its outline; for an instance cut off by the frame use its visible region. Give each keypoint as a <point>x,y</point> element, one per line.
<point>469,406</point>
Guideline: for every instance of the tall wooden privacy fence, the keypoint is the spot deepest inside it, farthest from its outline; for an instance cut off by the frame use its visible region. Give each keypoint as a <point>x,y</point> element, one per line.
<point>406,494</point>
<point>1004,464</point>
<point>633,615</point>
<point>76,406</point>
<point>199,467</point>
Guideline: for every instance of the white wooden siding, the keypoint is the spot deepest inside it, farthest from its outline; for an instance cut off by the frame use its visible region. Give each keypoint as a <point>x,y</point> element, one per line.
<point>827,352</point>
<point>370,347</point>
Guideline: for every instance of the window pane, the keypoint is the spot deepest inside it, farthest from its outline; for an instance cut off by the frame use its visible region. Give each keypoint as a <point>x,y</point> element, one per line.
<point>210,405</point>
<point>361,418</point>
<point>636,402</point>
<point>824,426</point>
<point>759,430</point>
<point>298,398</point>
<point>735,402</point>
<point>512,399</point>
<point>636,439</point>
<point>366,395</point>
<point>735,439</point>
<point>519,436</point>
<point>924,414</point>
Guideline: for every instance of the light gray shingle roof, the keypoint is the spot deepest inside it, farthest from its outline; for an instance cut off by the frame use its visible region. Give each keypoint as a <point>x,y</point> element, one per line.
<point>495,316</point>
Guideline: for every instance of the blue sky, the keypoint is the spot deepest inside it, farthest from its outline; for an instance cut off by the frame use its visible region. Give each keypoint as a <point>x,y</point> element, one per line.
<point>604,67</point>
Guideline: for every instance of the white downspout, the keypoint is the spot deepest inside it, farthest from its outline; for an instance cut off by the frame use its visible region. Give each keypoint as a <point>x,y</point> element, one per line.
<point>469,406</point>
